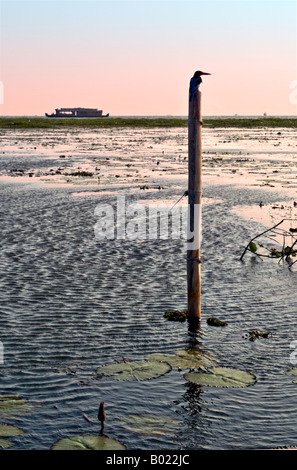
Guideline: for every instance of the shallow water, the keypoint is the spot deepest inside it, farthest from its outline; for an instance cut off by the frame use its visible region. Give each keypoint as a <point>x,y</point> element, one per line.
<point>70,303</point>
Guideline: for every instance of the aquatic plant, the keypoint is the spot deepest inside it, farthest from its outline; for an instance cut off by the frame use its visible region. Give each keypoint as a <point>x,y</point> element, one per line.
<point>222,377</point>
<point>253,247</point>
<point>137,370</point>
<point>7,430</point>
<point>184,359</point>
<point>254,334</point>
<point>216,322</point>
<point>286,251</point>
<point>155,365</point>
<point>13,405</point>
<point>176,315</point>
<point>88,442</point>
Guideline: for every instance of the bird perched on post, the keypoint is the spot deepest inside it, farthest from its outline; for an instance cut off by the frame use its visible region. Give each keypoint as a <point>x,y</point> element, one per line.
<point>195,82</point>
<point>101,415</point>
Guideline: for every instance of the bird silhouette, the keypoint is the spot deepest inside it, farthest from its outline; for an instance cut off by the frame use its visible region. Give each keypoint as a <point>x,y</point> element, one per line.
<point>195,82</point>
<point>101,415</point>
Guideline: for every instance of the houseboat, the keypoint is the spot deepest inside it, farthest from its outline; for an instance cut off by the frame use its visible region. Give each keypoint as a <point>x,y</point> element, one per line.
<point>77,113</point>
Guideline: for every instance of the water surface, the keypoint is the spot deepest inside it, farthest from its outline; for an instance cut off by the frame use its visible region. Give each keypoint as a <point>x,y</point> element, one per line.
<point>70,303</point>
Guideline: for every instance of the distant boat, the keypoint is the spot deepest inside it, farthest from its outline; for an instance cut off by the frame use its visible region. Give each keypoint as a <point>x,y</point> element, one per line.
<point>77,113</point>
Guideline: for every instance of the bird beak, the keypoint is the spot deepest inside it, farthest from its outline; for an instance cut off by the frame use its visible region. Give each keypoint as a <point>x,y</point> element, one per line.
<point>205,73</point>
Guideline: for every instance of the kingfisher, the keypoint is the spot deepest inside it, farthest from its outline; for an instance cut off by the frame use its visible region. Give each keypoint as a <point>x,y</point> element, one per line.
<point>195,82</point>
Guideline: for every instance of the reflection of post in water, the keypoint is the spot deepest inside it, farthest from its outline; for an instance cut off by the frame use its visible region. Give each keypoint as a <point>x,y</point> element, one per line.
<point>190,411</point>
<point>194,335</point>
<point>194,198</point>
<point>192,403</point>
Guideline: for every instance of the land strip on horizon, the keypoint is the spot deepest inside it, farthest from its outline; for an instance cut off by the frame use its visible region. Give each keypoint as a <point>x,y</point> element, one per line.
<point>46,123</point>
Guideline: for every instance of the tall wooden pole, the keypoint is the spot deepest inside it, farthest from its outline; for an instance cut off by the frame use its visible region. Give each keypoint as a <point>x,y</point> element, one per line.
<point>194,205</point>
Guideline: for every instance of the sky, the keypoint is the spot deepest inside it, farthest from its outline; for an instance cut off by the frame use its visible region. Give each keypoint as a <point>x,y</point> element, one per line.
<point>136,58</point>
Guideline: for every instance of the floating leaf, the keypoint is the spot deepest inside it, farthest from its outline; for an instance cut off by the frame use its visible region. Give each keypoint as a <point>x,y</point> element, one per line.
<point>176,315</point>
<point>183,359</point>
<point>88,442</point>
<point>9,430</point>
<point>196,356</point>
<point>215,322</point>
<point>149,424</point>
<point>253,247</point>
<point>139,370</point>
<point>222,377</point>
<point>147,370</point>
<point>253,334</point>
<point>5,443</point>
<point>120,370</point>
<point>13,406</point>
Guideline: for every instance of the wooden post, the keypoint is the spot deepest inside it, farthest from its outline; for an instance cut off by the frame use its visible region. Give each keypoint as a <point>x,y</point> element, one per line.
<point>194,206</point>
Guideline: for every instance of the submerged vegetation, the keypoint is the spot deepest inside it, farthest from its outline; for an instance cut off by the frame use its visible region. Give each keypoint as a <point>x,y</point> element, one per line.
<point>285,250</point>
<point>45,123</point>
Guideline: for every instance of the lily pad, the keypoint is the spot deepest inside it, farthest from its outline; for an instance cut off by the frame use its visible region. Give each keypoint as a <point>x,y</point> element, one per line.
<point>120,370</point>
<point>5,443</point>
<point>222,377</point>
<point>183,359</point>
<point>13,406</point>
<point>138,370</point>
<point>88,442</point>
<point>151,424</point>
<point>7,430</point>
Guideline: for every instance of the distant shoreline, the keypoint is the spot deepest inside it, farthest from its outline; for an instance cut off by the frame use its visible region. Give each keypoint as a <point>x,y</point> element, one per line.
<point>48,123</point>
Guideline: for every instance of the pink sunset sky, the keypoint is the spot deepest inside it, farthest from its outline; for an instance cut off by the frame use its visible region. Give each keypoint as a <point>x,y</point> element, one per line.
<point>137,57</point>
